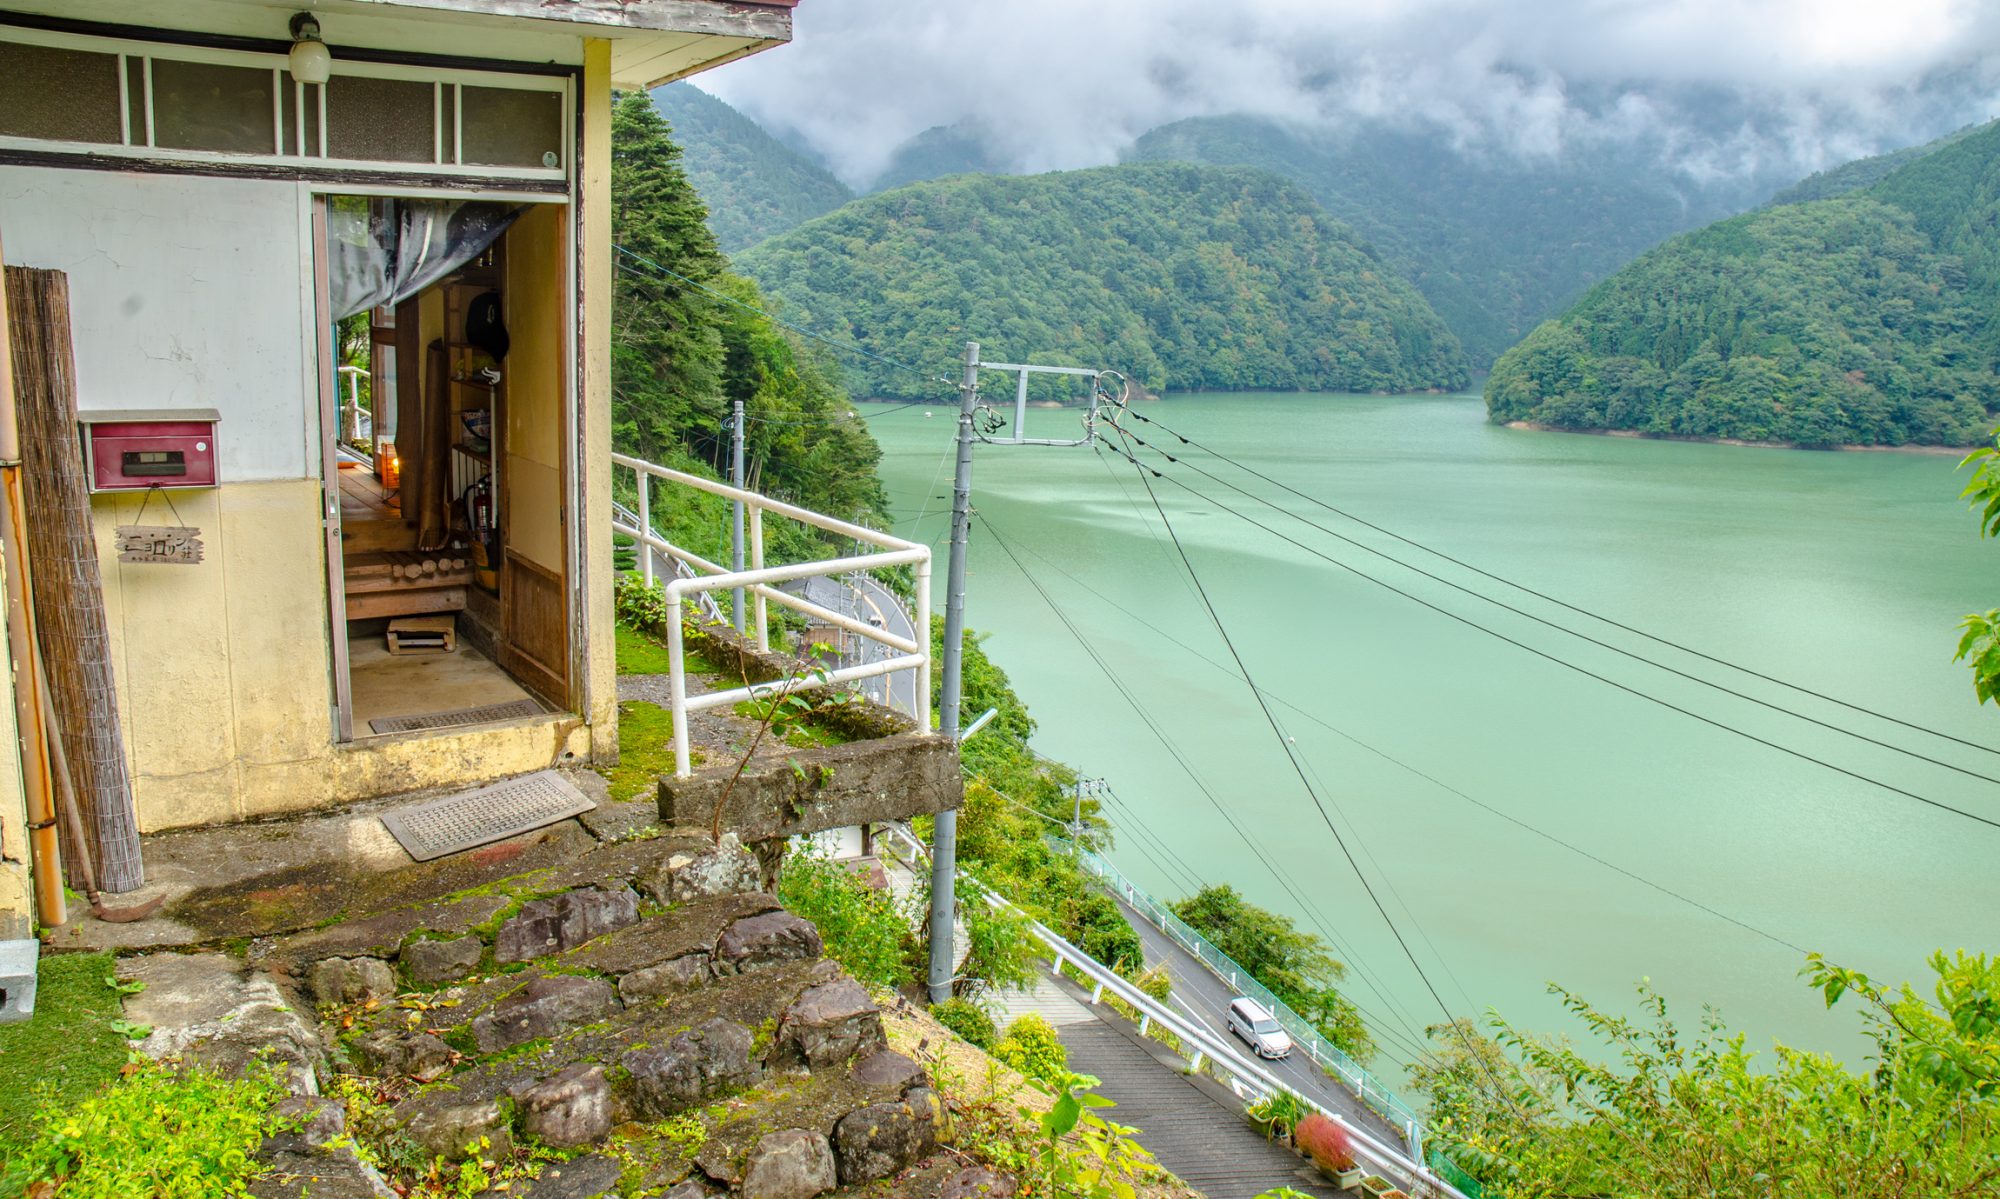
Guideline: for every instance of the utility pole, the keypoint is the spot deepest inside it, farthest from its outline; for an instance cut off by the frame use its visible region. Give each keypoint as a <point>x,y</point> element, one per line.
<point>944,842</point>
<point>736,512</point>
<point>944,838</point>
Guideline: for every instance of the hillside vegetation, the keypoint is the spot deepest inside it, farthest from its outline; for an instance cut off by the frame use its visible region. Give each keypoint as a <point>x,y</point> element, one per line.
<point>1864,319</point>
<point>1181,276</point>
<point>1494,243</point>
<point>753,184</point>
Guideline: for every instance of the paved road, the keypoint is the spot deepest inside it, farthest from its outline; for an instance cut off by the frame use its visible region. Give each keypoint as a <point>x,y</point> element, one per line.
<point>1194,1126</point>
<point>866,600</point>
<point>1199,993</point>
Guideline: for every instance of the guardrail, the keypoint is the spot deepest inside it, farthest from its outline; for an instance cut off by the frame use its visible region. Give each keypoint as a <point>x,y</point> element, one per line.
<point>704,602</point>
<point>1246,1078</point>
<point>761,581</point>
<point>1324,1053</point>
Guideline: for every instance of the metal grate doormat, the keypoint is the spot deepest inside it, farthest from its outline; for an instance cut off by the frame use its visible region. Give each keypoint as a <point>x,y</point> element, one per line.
<point>441,826</point>
<point>456,717</point>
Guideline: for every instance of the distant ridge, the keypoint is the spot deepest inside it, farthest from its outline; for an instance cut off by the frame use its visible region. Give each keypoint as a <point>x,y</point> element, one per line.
<point>754,185</point>
<point>1184,276</point>
<point>1868,318</point>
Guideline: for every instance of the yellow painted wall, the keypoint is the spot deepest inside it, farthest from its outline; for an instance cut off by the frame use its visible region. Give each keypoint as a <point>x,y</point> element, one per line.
<point>224,680</point>
<point>600,692</point>
<point>536,297</point>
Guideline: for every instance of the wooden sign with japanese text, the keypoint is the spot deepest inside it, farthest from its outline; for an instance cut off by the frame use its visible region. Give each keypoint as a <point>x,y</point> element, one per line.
<point>172,544</point>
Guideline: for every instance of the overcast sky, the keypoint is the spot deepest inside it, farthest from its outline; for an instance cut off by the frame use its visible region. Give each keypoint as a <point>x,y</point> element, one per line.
<point>1728,86</point>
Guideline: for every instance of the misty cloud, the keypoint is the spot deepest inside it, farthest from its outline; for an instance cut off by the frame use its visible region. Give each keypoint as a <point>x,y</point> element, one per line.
<point>1715,88</point>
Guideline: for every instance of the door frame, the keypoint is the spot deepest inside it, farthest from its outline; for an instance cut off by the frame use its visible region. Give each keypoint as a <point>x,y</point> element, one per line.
<point>319,302</point>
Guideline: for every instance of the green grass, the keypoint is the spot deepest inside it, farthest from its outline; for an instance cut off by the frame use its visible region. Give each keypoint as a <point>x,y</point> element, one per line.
<point>638,653</point>
<point>645,749</point>
<point>67,1052</point>
<point>799,734</point>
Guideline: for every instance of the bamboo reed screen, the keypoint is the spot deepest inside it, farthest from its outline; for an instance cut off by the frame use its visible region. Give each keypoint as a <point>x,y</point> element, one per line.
<point>62,553</point>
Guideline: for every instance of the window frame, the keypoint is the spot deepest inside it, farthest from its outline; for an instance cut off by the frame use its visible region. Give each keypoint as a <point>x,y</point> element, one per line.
<point>447,137</point>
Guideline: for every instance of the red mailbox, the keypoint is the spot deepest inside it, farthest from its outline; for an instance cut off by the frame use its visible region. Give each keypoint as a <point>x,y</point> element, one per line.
<point>134,450</point>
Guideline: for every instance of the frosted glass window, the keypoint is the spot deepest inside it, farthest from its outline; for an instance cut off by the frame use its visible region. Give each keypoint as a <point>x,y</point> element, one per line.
<point>386,120</point>
<point>508,127</point>
<point>207,106</point>
<point>59,95</point>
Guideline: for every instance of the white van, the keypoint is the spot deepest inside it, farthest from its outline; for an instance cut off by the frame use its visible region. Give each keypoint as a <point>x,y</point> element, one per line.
<point>1258,1029</point>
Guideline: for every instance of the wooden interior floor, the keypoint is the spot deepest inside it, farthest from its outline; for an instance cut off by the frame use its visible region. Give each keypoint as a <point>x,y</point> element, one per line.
<point>362,496</point>
<point>385,684</point>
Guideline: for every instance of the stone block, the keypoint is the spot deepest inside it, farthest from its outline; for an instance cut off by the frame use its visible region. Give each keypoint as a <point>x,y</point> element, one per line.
<point>450,1128</point>
<point>829,1024</point>
<point>336,981</point>
<point>977,1182</point>
<point>708,1060</point>
<point>573,1108</point>
<point>879,1140</point>
<point>544,1007</point>
<point>675,977</point>
<point>725,869</point>
<point>442,961</point>
<point>388,1053</point>
<point>793,1163</point>
<point>813,790</point>
<point>586,1177</point>
<point>564,922</point>
<point>888,1070</point>
<point>759,942</point>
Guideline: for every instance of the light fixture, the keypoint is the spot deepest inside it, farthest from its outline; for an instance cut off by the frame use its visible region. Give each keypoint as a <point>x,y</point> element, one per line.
<point>312,62</point>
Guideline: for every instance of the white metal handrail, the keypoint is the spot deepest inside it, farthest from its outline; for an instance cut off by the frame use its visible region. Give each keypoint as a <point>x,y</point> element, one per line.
<point>761,581</point>
<point>1245,1075</point>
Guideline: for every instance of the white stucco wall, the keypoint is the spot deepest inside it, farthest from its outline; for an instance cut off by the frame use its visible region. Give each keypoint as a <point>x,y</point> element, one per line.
<point>185,292</point>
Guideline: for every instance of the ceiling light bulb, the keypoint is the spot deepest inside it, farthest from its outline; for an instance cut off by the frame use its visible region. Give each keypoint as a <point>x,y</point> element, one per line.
<point>311,61</point>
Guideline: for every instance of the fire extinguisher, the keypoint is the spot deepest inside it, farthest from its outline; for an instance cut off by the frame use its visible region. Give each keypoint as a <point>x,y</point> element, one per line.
<point>479,508</point>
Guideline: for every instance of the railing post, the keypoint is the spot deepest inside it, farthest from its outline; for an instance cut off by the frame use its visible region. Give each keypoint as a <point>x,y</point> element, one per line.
<point>923,631</point>
<point>645,524</point>
<point>677,682</point>
<point>757,563</point>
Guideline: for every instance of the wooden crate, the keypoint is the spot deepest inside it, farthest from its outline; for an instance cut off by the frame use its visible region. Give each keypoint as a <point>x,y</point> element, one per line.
<point>423,635</point>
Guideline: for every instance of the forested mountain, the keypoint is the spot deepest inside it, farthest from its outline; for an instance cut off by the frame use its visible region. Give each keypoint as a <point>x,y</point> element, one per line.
<point>1852,176</point>
<point>1867,318</point>
<point>680,355</point>
<point>939,151</point>
<point>1181,276</point>
<point>1495,243</point>
<point>754,185</point>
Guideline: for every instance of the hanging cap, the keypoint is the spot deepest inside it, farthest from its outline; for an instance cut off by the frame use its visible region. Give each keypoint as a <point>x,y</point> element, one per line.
<point>483,326</point>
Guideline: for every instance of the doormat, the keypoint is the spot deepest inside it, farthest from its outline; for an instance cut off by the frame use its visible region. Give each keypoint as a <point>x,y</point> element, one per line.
<point>456,717</point>
<point>440,826</point>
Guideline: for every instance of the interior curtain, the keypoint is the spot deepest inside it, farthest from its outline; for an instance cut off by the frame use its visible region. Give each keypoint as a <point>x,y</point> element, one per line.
<point>386,251</point>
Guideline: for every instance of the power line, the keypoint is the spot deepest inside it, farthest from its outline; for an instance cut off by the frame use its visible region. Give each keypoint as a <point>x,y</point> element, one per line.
<point>1277,872</point>
<point>1894,748</point>
<point>1285,744</point>
<point>1426,776</point>
<point>1581,611</point>
<point>1566,664</point>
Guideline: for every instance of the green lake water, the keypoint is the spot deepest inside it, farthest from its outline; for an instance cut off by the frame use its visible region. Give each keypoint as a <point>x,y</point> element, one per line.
<point>1842,572</point>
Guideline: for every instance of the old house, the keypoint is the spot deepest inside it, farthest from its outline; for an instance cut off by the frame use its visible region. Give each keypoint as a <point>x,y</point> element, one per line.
<point>234,190</point>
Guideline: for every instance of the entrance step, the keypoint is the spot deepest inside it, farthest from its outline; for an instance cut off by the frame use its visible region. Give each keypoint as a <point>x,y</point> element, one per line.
<point>491,813</point>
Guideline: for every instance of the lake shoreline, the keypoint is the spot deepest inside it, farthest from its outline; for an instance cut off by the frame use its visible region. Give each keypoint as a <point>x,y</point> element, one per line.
<point>1637,435</point>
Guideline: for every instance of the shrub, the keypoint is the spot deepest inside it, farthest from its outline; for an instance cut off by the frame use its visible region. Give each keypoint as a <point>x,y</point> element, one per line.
<point>638,605</point>
<point>968,1020</point>
<point>1325,1142</point>
<point>1031,1047</point>
<point>1000,947</point>
<point>1092,921</point>
<point>160,1132</point>
<point>861,926</point>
